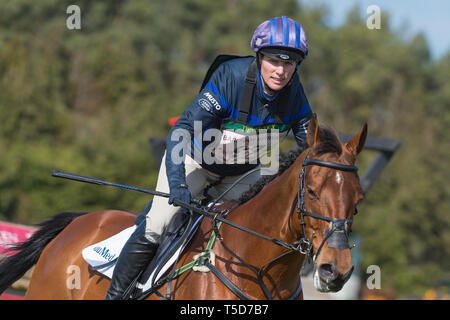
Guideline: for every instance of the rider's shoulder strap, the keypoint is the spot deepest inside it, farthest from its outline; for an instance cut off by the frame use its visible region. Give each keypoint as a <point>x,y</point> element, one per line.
<point>247,94</point>
<point>250,82</point>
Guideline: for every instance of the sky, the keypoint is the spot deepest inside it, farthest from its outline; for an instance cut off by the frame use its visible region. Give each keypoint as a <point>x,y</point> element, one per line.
<point>432,17</point>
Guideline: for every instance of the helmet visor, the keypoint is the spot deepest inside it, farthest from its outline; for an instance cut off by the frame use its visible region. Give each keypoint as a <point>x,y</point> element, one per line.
<point>282,54</point>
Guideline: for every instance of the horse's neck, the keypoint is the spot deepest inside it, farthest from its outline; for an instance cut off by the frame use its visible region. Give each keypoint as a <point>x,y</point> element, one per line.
<point>278,196</point>
<point>270,214</point>
<point>270,208</point>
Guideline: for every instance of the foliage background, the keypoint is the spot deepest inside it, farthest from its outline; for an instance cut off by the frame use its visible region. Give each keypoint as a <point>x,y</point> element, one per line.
<point>86,101</point>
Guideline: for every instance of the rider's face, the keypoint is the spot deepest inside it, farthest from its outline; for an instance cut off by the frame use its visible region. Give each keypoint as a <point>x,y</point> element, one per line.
<point>275,73</point>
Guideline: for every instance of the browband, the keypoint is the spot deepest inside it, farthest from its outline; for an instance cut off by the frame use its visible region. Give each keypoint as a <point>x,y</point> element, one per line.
<point>332,165</point>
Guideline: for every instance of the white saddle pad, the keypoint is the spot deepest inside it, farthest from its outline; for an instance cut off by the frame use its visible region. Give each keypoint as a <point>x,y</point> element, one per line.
<point>109,249</point>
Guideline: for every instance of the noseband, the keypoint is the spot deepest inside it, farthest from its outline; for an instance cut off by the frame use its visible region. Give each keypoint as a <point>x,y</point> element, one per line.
<point>337,235</point>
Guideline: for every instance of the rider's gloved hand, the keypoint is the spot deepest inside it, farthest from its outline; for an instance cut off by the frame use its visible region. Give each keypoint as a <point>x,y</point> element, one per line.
<point>181,193</point>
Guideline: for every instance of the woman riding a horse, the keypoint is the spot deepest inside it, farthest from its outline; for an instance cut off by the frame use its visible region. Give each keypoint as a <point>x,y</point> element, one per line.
<point>275,101</point>
<point>245,105</point>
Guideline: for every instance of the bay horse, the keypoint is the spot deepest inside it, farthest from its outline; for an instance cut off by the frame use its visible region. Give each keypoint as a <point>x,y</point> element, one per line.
<point>320,184</point>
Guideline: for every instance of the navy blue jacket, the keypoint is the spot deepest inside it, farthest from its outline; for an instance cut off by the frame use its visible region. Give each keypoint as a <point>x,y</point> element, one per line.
<point>218,103</point>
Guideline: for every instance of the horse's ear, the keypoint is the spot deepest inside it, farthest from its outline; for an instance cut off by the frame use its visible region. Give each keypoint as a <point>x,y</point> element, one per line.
<point>313,131</point>
<point>356,144</point>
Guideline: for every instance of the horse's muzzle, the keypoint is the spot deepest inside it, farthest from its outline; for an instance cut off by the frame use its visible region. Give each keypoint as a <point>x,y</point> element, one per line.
<point>327,278</point>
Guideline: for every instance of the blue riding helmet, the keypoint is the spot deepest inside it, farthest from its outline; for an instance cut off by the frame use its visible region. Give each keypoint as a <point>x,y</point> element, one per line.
<point>282,38</point>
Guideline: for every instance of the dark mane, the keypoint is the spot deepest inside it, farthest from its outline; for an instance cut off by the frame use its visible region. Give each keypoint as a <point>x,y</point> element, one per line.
<point>329,143</point>
<point>285,161</point>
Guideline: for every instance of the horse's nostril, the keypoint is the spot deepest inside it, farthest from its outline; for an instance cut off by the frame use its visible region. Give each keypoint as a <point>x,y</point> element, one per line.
<point>328,272</point>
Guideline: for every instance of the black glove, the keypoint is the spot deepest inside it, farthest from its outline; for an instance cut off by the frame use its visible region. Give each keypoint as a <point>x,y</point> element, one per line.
<point>181,193</point>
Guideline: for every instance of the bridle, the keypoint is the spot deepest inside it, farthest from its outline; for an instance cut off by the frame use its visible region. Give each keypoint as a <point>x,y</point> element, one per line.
<point>337,235</point>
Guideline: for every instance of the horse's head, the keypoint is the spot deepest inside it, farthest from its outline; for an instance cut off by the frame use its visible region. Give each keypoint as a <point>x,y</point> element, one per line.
<point>329,191</point>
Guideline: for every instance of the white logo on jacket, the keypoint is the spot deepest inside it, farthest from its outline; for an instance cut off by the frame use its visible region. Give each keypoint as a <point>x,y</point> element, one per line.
<point>205,104</point>
<point>214,102</point>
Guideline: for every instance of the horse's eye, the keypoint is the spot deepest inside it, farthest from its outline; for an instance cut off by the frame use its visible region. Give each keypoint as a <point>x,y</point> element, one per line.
<point>312,193</point>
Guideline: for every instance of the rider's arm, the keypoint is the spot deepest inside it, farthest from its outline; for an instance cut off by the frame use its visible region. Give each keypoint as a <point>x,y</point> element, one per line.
<point>206,110</point>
